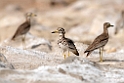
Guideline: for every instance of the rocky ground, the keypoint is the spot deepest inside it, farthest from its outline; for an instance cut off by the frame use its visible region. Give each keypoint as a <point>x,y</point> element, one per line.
<point>40,60</point>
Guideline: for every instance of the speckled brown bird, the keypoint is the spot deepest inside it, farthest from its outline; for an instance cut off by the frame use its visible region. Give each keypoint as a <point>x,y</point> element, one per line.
<point>100,41</point>
<point>25,27</point>
<point>64,43</point>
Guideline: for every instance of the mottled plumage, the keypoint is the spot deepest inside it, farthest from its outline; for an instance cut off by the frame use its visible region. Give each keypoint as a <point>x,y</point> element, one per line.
<point>99,41</point>
<point>65,43</point>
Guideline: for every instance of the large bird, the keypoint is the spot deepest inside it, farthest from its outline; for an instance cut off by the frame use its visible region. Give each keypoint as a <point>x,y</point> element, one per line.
<point>100,41</point>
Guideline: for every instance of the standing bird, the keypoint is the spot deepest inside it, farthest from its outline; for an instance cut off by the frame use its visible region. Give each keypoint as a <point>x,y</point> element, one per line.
<point>24,28</point>
<point>100,41</point>
<point>64,43</point>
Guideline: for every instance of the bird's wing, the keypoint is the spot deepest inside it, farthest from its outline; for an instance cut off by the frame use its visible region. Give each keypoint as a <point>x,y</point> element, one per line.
<point>71,46</point>
<point>100,41</point>
<point>22,29</point>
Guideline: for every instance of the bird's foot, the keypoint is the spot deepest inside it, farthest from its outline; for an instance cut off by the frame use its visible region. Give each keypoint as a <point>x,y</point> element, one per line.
<point>101,60</point>
<point>64,56</point>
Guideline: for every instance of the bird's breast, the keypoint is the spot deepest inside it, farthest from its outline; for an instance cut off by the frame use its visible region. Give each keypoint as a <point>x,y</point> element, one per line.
<point>63,46</point>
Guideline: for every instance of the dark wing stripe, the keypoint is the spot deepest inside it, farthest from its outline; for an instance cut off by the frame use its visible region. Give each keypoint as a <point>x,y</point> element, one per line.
<point>105,39</point>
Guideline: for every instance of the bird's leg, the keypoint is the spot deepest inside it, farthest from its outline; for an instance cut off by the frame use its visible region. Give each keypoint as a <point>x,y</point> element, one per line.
<point>64,55</point>
<point>101,54</point>
<point>116,30</point>
<point>23,41</point>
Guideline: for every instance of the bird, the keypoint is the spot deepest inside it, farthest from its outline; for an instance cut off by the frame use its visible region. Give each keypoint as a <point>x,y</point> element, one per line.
<point>120,23</point>
<point>100,41</point>
<point>24,27</point>
<point>64,43</point>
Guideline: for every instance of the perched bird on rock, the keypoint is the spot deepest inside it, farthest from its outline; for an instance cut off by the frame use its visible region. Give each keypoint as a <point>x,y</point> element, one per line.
<point>64,43</point>
<point>100,41</point>
<point>24,27</point>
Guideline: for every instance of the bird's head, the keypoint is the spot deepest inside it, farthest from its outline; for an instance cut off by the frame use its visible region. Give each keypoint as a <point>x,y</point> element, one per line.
<point>59,30</point>
<point>30,14</point>
<point>107,25</point>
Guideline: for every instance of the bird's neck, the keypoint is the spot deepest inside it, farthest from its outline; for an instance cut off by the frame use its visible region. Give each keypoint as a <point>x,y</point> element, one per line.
<point>28,19</point>
<point>61,35</point>
<point>105,30</point>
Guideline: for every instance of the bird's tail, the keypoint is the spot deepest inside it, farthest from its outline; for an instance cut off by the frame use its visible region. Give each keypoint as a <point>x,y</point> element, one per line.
<point>88,53</point>
<point>75,52</point>
<point>13,37</point>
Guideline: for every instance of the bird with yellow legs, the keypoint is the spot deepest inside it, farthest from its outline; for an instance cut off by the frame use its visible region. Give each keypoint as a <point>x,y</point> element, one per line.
<point>24,27</point>
<point>100,41</point>
<point>65,44</point>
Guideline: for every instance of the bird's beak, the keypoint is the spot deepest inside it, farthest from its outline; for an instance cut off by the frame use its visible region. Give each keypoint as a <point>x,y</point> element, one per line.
<point>111,25</point>
<point>33,15</point>
<point>56,31</point>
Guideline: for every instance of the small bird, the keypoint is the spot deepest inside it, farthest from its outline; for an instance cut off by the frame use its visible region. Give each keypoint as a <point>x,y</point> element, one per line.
<point>64,43</point>
<point>120,23</point>
<point>100,41</point>
<point>25,27</point>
